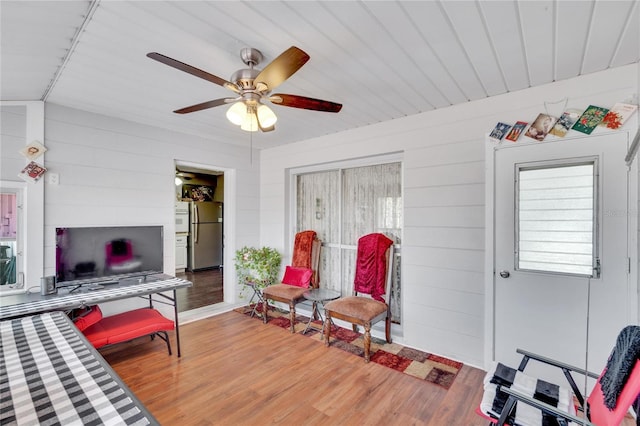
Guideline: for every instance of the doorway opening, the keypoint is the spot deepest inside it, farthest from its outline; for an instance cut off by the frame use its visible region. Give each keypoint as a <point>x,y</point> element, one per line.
<point>199,235</point>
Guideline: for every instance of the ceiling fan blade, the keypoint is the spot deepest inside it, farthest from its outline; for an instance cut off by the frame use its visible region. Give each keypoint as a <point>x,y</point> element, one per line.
<point>204,105</point>
<point>296,101</point>
<point>193,71</point>
<point>282,67</point>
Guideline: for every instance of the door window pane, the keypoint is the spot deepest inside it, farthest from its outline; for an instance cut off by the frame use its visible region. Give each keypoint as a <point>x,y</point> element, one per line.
<point>556,218</point>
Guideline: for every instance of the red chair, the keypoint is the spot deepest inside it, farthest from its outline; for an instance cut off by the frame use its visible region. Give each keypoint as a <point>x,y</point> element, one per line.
<point>298,278</point>
<point>374,264</point>
<point>616,389</point>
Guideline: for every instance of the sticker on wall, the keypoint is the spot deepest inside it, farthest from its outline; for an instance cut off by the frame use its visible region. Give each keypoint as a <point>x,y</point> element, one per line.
<point>565,122</point>
<point>499,131</point>
<point>34,150</point>
<point>617,115</point>
<point>516,131</point>
<point>590,118</point>
<point>32,172</point>
<point>541,126</point>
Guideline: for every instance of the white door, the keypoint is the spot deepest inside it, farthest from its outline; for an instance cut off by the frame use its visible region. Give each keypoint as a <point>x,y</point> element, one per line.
<point>546,312</point>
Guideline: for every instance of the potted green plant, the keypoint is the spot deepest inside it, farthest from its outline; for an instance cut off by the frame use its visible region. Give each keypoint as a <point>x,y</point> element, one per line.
<point>257,266</point>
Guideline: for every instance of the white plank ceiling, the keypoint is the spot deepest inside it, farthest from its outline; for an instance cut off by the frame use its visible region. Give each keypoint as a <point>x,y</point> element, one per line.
<point>381,59</point>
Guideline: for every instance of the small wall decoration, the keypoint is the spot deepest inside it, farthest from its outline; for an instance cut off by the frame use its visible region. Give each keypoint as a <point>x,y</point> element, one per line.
<point>617,115</point>
<point>565,122</point>
<point>590,118</point>
<point>541,126</point>
<point>32,172</point>
<point>584,121</point>
<point>516,131</point>
<point>34,150</point>
<point>499,131</point>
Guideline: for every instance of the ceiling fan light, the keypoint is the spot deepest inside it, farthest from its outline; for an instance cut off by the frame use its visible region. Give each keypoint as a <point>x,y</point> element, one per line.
<point>237,113</point>
<point>250,123</point>
<point>266,116</point>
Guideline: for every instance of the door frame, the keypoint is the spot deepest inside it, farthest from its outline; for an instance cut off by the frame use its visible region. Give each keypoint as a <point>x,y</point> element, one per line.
<point>489,274</point>
<point>230,291</point>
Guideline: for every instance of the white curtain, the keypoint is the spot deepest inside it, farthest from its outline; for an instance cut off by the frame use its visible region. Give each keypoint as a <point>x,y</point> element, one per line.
<point>343,205</point>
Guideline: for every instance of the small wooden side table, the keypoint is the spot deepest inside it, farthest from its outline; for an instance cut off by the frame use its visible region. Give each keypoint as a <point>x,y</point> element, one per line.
<point>319,296</point>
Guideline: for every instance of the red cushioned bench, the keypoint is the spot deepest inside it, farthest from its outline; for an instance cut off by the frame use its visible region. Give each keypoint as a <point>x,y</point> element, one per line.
<point>119,328</point>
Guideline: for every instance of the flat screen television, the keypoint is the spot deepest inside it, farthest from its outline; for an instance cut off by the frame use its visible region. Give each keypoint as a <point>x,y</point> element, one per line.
<point>100,254</point>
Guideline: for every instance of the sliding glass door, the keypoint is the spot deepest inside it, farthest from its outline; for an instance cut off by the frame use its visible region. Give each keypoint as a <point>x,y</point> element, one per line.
<point>342,205</point>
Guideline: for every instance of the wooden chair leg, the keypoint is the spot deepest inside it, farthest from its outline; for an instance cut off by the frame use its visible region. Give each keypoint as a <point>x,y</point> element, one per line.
<point>367,342</point>
<point>327,327</point>
<point>387,328</point>
<point>292,316</point>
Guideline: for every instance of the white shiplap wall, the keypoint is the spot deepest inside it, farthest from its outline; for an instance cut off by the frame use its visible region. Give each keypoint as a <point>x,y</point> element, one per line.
<point>115,172</point>
<point>12,140</point>
<point>444,201</point>
<point>22,123</point>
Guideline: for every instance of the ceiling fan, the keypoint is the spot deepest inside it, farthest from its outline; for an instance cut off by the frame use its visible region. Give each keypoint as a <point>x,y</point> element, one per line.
<point>253,88</point>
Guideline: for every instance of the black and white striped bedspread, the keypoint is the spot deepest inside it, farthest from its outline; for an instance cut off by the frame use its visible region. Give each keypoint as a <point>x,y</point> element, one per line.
<point>50,375</point>
<point>526,415</point>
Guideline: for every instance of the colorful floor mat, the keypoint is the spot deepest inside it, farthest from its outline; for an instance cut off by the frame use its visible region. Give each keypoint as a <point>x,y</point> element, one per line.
<point>422,365</point>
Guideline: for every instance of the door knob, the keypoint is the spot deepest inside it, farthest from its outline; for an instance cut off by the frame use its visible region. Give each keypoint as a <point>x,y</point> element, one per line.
<point>505,274</point>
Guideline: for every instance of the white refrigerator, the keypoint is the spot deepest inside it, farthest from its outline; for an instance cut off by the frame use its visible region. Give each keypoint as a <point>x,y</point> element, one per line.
<point>205,235</point>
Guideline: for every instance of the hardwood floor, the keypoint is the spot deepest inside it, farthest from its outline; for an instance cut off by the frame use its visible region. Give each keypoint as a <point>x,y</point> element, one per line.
<point>234,370</point>
<point>206,289</point>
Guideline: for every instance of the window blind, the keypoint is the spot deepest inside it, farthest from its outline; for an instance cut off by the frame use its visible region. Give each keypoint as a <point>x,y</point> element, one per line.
<point>556,219</point>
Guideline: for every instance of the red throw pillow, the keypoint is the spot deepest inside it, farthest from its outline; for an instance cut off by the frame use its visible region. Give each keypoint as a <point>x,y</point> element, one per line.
<point>89,318</point>
<point>300,277</point>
